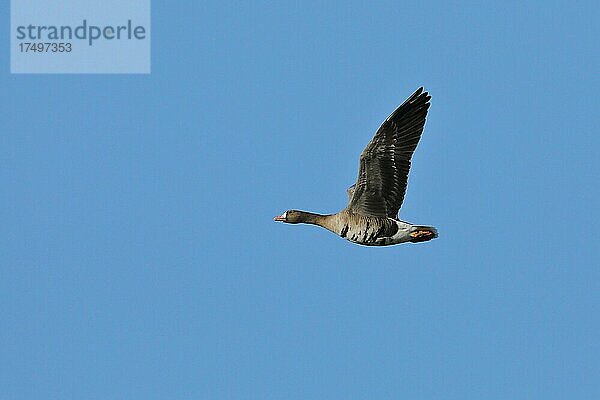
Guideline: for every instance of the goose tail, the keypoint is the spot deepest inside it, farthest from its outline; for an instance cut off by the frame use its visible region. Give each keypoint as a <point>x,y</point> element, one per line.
<point>422,233</point>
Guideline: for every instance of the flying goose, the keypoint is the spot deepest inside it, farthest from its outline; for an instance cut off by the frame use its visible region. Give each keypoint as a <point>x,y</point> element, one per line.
<point>371,217</point>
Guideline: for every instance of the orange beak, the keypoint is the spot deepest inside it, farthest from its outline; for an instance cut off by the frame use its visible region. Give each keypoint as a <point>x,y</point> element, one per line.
<point>279,218</point>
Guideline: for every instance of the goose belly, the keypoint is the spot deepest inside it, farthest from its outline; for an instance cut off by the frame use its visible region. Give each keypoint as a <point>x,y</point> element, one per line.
<point>377,232</point>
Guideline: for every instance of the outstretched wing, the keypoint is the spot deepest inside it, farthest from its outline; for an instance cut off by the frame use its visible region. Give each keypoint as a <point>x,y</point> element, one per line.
<point>385,162</point>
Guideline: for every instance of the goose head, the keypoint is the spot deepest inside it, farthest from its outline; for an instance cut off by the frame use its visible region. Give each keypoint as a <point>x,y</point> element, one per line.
<point>291,217</point>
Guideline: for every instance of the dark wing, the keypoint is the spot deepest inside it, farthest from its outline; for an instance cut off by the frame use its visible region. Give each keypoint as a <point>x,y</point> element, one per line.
<point>385,162</point>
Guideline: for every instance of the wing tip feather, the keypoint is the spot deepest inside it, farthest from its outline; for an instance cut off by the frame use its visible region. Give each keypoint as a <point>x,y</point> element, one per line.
<point>419,99</point>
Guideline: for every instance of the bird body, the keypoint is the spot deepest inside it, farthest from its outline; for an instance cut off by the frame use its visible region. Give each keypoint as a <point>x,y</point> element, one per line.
<point>371,217</point>
<point>363,229</point>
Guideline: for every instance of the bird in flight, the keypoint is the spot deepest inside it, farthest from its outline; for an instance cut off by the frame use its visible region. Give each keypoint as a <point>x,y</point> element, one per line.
<point>371,216</point>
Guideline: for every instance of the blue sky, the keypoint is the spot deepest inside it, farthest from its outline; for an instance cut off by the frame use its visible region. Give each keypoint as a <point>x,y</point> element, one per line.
<point>140,260</point>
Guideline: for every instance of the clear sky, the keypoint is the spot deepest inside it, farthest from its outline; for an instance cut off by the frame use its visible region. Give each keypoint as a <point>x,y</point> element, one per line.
<point>139,259</point>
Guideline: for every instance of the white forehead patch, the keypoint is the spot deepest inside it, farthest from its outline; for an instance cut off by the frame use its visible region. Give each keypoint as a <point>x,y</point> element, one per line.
<point>284,215</point>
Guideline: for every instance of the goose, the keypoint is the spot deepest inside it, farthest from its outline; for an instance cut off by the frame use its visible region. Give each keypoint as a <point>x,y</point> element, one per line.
<point>371,216</point>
